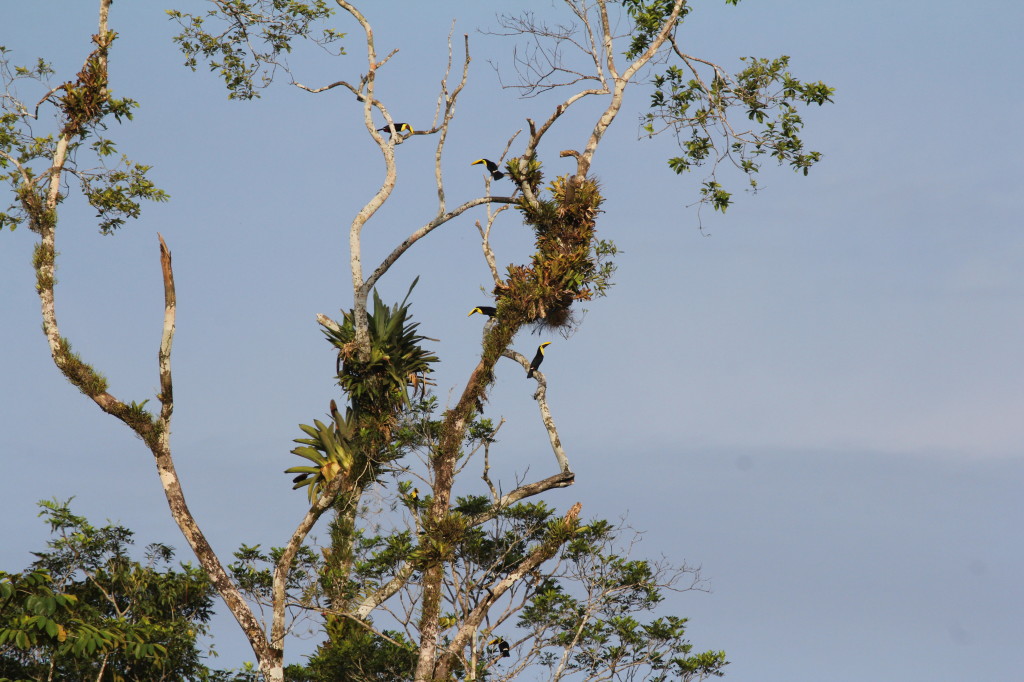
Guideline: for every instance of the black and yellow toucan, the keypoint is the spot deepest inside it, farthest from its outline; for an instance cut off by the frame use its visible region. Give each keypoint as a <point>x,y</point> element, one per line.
<point>502,646</point>
<point>492,168</point>
<point>488,310</point>
<point>414,494</point>
<point>538,358</point>
<point>399,127</point>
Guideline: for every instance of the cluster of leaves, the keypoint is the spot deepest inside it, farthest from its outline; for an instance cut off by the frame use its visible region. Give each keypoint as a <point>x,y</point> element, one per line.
<point>86,101</point>
<point>586,621</point>
<point>115,190</point>
<point>357,654</point>
<point>590,613</point>
<point>462,538</point>
<point>697,111</point>
<point>499,550</point>
<point>85,610</point>
<point>353,650</point>
<point>478,555</point>
<point>648,18</point>
<point>41,609</point>
<point>570,264</point>
<point>252,571</point>
<point>250,38</point>
<point>84,605</point>
<point>696,100</point>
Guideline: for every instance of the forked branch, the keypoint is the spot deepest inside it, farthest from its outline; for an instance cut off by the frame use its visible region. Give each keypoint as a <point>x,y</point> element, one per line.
<point>545,411</point>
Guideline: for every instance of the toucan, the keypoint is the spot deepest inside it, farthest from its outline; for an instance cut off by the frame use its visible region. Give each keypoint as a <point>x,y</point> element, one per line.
<point>399,127</point>
<point>502,646</point>
<point>492,168</point>
<point>414,494</point>
<point>487,310</point>
<point>537,359</point>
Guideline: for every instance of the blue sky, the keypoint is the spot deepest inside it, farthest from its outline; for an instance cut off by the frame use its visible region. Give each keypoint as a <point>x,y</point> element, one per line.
<point>817,397</point>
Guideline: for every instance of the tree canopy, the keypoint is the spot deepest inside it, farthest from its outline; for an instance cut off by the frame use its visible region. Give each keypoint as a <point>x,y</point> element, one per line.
<point>85,609</point>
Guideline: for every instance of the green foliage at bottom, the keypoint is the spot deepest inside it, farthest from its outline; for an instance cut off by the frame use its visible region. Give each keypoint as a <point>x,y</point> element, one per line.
<point>356,654</point>
<point>84,610</point>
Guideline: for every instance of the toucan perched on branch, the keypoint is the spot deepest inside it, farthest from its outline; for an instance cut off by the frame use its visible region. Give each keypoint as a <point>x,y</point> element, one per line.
<point>492,168</point>
<point>537,359</point>
<point>399,128</point>
<point>502,646</point>
<point>489,311</point>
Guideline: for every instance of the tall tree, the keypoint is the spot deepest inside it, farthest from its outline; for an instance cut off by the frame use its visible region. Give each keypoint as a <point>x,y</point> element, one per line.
<point>461,566</point>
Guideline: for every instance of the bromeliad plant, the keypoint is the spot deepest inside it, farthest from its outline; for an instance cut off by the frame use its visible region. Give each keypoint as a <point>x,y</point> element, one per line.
<point>331,449</point>
<point>356,443</point>
<point>377,382</point>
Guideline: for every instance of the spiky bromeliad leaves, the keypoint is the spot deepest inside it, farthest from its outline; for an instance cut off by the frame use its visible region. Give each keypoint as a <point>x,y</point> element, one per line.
<point>331,450</point>
<point>356,443</point>
<point>379,385</point>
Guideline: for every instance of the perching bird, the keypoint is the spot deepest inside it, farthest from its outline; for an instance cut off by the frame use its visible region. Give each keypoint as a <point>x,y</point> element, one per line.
<point>399,127</point>
<point>492,168</point>
<point>487,310</point>
<point>414,494</point>
<point>537,359</point>
<point>502,646</point>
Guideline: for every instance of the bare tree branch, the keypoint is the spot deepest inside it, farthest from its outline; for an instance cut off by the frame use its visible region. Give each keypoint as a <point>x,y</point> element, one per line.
<point>422,232</point>
<point>362,334</point>
<point>621,81</point>
<point>166,340</point>
<point>545,411</point>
